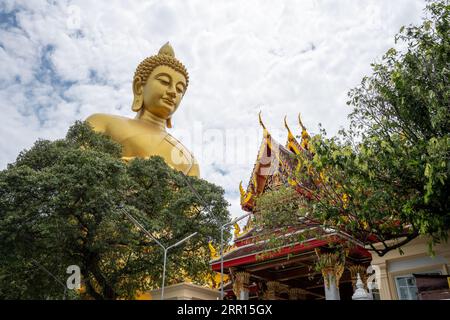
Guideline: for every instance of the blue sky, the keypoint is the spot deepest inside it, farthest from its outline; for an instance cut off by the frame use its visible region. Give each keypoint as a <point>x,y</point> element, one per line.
<point>62,61</point>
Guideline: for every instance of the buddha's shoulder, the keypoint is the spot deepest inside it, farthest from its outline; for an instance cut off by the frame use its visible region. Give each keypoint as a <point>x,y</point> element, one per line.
<point>103,121</point>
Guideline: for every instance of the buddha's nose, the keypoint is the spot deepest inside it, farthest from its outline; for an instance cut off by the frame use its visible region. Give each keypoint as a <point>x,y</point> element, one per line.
<point>171,92</point>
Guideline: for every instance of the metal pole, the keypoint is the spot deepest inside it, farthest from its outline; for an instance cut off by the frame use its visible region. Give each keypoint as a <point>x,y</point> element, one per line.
<point>164,274</point>
<point>221,248</point>
<point>137,224</point>
<point>165,259</point>
<point>221,263</point>
<point>53,276</point>
<point>141,227</point>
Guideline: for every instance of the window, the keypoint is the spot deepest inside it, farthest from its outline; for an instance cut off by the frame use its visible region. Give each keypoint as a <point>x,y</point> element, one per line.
<point>376,294</point>
<point>406,286</point>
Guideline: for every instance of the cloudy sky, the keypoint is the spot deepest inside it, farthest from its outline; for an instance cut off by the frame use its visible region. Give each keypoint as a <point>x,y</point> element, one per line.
<point>63,60</point>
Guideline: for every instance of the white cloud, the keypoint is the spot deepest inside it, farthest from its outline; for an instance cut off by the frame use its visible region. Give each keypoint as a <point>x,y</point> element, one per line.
<point>280,57</point>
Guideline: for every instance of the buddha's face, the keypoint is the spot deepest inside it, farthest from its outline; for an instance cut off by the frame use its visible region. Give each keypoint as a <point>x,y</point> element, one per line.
<point>163,91</point>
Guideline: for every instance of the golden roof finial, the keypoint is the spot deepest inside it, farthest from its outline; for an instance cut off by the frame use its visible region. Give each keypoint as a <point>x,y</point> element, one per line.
<point>290,135</point>
<point>260,121</point>
<point>167,50</point>
<point>292,143</point>
<point>237,230</point>
<point>212,250</point>
<point>305,135</point>
<point>245,196</point>
<point>241,190</point>
<point>266,133</point>
<point>300,122</point>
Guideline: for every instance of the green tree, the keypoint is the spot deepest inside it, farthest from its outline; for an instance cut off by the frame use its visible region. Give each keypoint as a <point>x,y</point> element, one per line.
<point>62,202</point>
<point>387,176</point>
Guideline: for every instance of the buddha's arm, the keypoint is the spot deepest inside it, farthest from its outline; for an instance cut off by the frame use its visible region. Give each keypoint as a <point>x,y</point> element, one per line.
<point>98,122</point>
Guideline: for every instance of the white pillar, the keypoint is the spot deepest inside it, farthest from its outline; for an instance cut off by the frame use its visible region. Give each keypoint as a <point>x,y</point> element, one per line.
<point>330,286</point>
<point>244,294</point>
<point>242,280</point>
<point>384,288</point>
<point>332,266</point>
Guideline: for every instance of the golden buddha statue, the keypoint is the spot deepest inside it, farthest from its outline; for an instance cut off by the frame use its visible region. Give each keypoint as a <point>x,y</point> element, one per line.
<point>159,84</point>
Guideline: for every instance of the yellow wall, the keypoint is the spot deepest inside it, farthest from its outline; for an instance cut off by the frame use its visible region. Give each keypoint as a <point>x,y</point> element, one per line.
<point>415,259</point>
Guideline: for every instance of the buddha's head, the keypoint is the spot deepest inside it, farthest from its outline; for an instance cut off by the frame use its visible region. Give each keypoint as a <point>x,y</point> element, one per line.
<point>159,84</point>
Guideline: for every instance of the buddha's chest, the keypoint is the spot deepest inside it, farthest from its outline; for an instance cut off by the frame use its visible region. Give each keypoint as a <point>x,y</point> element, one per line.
<point>145,145</point>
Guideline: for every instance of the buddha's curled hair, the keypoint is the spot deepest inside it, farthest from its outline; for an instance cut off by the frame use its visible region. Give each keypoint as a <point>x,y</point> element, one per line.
<point>166,57</point>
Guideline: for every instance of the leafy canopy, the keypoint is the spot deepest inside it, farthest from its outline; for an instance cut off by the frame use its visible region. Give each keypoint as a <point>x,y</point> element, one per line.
<point>61,204</point>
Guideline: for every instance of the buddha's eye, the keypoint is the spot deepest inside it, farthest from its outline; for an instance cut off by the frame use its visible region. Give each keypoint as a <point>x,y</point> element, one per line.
<point>164,82</point>
<point>180,88</point>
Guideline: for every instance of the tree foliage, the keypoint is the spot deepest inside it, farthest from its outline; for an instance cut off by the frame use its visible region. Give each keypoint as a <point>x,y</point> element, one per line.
<point>386,177</point>
<point>62,203</point>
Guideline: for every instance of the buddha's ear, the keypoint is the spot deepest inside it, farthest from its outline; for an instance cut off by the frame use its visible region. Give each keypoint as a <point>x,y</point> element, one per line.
<point>138,98</point>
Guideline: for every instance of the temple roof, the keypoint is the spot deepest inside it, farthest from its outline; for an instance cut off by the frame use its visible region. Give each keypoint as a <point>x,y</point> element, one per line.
<point>273,159</point>
<point>259,250</point>
<point>292,261</point>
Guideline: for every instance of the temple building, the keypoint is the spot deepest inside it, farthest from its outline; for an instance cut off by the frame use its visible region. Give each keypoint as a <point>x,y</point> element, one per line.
<point>312,268</point>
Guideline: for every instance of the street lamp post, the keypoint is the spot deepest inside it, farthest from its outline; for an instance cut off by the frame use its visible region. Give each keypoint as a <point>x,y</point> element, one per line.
<point>53,276</point>
<point>232,222</point>
<point>165,259</point>
<point>141,227</point>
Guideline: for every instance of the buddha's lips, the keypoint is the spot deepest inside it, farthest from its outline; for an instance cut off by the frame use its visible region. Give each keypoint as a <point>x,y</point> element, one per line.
<point>172,103</point>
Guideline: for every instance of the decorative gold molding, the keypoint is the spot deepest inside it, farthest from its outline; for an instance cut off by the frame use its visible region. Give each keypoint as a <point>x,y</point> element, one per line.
<point>330,264</point>
<point>297,294</point>
<point>272,289</point>
<point>241,281</point>
<point>354,270</point>
<point>213,252</point>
